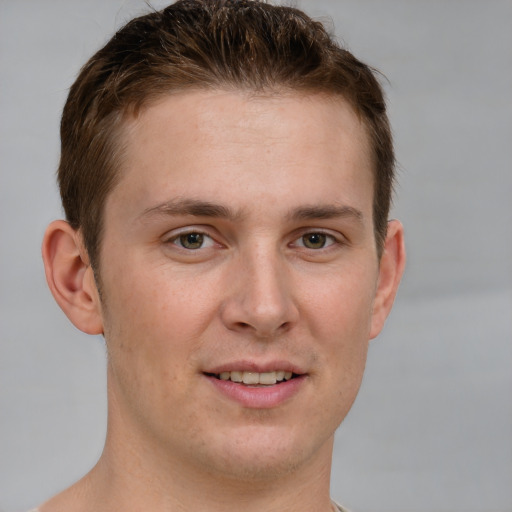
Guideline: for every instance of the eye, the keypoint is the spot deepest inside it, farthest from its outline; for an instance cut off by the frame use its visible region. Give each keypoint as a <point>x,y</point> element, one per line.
<point>193,240</point>
<point>315,240</point>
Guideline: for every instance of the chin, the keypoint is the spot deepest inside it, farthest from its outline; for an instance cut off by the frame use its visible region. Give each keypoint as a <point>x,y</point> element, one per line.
<point>267,453</point>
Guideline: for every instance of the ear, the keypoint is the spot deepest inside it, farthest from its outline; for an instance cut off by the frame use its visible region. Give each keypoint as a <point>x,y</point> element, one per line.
<point>70,277</point>
<point>391,268</point>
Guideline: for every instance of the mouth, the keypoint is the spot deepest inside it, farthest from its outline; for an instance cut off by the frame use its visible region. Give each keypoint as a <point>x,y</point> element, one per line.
<point>257,386</point>
<point>255,379</point>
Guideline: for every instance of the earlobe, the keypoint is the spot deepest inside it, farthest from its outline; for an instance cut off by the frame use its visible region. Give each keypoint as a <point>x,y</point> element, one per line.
<point>392,265</point>
<point>70,277</point>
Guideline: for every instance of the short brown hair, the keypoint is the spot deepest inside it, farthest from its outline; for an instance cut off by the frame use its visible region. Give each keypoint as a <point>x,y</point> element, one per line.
<point>206,44</point>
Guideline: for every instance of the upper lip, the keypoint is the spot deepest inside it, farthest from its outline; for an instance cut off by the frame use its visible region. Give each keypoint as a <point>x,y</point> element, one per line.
<point>256,367</point>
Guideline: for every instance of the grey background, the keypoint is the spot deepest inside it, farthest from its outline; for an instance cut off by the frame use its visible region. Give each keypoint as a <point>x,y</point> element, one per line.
<point>432,427</point>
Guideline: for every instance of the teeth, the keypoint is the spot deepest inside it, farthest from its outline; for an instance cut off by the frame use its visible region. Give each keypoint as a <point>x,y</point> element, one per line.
<point>268,378</point>
<point>254,378</point>
<point>251,378</point>
<point>236,376</point>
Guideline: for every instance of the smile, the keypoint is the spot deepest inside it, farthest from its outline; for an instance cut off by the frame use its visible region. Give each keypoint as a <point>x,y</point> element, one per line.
<point>255,378</point>
<point>257,390</point>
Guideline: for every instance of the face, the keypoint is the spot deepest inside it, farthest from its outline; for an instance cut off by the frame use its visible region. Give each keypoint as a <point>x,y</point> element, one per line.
<point>239,271</point>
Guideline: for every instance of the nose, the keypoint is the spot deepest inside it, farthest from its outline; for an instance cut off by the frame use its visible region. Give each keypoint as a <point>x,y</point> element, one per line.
<point>261,299</point>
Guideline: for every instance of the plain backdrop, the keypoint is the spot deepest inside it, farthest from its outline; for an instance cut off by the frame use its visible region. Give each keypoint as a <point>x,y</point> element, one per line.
<point>431,430</point>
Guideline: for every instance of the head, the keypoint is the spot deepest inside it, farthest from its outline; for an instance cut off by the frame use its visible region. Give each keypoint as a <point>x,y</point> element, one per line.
<point>226,173</point>
<point>206,45</point>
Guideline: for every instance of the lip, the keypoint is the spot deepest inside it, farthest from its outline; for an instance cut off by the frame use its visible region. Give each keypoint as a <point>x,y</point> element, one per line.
<point>257,397</point>
<point>258,367</point>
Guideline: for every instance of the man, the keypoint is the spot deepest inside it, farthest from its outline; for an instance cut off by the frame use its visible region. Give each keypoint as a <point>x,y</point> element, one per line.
<point>226,174</point>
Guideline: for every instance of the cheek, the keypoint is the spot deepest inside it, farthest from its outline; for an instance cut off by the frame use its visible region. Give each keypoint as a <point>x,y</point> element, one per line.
<point>155,320</point>
<point>150,349</point>
<point>339,307</point>
<point>339,316</point>
<point>141,327</point>
<point>155,300</point>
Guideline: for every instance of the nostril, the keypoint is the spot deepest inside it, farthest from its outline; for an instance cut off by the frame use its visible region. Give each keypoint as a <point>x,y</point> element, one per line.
<point>262,331</point>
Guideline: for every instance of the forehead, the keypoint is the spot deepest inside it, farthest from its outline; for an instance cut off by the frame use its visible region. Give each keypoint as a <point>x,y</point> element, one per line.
<point>267,114</point>
<point>198,142</point>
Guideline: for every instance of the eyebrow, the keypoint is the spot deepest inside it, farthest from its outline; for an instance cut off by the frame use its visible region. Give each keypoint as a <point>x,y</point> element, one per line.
<point>325,212</point>
<point>199,208</point>
<point>193,207</point>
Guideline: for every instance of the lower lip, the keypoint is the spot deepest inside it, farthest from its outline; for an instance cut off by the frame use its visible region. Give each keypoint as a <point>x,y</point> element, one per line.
<point>261,397</point>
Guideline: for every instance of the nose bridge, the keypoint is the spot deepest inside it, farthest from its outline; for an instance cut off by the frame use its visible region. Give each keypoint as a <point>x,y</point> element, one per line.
<point>262,299</point>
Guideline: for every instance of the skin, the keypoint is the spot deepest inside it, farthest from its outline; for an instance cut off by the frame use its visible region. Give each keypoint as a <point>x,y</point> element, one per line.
<point>286,273</point>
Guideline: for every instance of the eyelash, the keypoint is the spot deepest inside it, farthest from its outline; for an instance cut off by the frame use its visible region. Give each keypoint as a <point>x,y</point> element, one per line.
<point>180,236</point>
<point>329,240</point>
